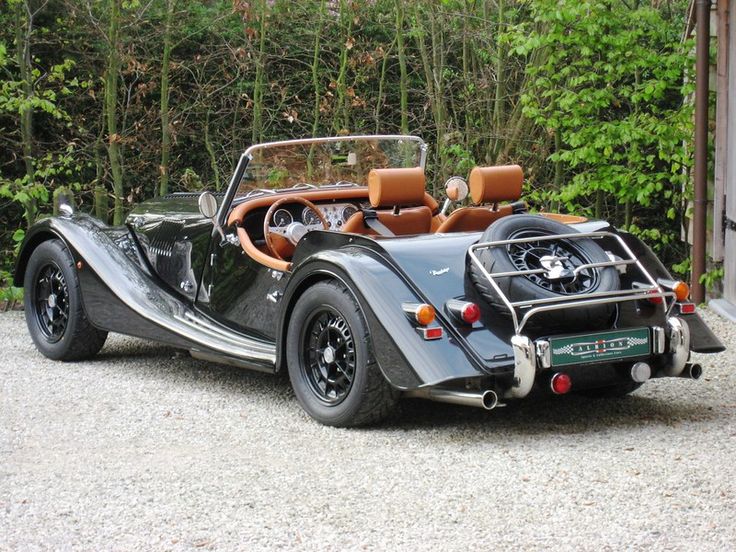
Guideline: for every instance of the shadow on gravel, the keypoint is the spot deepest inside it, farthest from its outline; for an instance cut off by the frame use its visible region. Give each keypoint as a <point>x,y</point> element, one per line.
<point>570,414</point>
<point>535,415</point>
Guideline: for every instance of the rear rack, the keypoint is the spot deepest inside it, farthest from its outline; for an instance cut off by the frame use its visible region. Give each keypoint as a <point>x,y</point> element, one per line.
<point>523,311</point>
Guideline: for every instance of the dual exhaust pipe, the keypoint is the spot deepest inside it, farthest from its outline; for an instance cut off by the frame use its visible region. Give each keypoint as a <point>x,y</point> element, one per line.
<point>488,399</point>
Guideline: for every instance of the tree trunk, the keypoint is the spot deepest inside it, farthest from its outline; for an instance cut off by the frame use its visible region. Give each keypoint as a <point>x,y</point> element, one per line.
<point>381,86</point>
<point>257,130</point>
<point>111,107</point>
<point>211,152</point>
<point>403,80</point>
<point>23,30</point>
<point>342,117</point>
<point>499,104</point>
<point>164,107</point>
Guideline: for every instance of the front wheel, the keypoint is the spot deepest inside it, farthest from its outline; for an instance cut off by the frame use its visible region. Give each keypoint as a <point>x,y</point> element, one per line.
<point>331,366</point>
<point>53,306</point>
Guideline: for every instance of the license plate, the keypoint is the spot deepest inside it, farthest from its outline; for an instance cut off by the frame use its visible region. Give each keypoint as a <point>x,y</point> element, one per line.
<point>599,347</point>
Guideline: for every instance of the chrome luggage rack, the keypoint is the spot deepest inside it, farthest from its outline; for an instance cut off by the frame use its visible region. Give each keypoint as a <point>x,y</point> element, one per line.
<point>650,290</point>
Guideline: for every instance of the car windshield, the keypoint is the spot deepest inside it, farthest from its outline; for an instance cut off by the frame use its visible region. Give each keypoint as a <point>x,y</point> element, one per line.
<point>326,162</point>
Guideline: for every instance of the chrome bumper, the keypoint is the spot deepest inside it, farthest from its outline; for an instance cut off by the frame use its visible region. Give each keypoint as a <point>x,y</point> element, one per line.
<point>533,356</point>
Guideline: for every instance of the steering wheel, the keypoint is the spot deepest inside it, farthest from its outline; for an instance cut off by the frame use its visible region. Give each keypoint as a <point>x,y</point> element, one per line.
<point>274,207</point>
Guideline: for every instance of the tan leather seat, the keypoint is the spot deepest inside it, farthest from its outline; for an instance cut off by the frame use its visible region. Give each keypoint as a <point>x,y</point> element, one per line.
<point>487,185</point>
<point>398,197</point>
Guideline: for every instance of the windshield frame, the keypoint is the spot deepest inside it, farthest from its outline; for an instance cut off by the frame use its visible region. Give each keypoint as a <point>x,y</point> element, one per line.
<point>247,156</point>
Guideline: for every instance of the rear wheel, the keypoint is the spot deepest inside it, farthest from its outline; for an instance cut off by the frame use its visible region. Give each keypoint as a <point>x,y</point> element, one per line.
<point>53,306</point>
<point>331,366</point>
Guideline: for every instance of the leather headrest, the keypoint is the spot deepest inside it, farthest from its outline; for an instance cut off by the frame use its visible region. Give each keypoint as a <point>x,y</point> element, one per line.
<point>495,184</point>
<point>392,187</point>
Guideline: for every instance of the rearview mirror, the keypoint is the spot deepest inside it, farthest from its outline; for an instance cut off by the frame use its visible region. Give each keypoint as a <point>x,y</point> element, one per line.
<point>207,205</point>
<point>456,189</point>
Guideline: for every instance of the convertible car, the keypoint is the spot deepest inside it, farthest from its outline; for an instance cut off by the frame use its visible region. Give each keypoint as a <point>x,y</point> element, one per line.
<point>328,259</point>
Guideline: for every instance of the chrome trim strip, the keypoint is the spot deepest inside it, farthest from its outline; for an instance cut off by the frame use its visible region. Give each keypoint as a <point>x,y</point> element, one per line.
<point>658,341</point>
<point>544,353</point>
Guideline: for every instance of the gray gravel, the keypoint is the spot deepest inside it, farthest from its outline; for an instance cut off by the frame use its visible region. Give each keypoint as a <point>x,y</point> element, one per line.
<point>144,448</point>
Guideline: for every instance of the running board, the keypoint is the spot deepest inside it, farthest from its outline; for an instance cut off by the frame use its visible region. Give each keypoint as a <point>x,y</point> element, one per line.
<point>230,361</point>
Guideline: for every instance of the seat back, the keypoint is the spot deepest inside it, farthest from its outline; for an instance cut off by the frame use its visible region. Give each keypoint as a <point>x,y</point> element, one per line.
<point>397,196</point>
<point>487,185</point>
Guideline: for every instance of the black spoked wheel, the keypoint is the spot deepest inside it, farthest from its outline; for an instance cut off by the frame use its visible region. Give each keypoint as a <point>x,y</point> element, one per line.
<point>51,301</point>
<point>561,271</point>
<point>329,355</point>
<point>559,259</point>
<point>330,360</point>
<point>53,306</point>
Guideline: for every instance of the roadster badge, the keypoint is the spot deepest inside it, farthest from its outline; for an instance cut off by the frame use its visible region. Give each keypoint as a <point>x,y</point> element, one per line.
<point>440,272</point>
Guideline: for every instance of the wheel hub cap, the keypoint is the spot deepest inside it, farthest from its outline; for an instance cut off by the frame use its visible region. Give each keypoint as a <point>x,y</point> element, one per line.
<point>329,355</point>
<point>52,301</point>
<point>556,269</point>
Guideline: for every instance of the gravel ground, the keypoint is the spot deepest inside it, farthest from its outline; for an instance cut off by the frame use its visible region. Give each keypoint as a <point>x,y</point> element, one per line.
<point>145,448</point>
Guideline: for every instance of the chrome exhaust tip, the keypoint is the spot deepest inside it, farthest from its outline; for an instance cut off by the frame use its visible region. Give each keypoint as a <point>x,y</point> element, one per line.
<point>692,371</point>
<point>487,399</point>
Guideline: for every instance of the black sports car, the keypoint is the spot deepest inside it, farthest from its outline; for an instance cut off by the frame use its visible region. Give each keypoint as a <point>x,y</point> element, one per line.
<point>327,258</point>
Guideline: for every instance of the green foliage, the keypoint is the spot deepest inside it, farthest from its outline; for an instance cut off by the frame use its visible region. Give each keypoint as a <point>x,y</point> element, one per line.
<point>484,82</point>
<point>712,277</point>
<point>611,85</point>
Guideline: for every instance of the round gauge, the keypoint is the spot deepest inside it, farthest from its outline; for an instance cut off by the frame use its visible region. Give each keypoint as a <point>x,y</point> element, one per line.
<point>282,218</point>
<point>309,217</point>
<point>348,211</point>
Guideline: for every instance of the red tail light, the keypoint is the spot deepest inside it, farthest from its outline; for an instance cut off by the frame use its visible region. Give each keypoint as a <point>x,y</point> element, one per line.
<point>655,300</point>
<point>464,311</point>
<point>560,384</point>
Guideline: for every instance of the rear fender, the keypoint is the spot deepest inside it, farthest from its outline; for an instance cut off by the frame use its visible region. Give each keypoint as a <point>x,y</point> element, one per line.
<point>405,358</point>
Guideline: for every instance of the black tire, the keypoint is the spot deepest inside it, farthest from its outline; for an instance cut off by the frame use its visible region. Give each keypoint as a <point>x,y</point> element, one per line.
<point>355,391</point>
<point>499,259</point>
<point>611,391</point>
<point>58,326</point>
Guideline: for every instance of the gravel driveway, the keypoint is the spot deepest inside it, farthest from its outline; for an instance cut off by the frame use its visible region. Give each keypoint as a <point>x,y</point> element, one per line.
<point>146,448</point>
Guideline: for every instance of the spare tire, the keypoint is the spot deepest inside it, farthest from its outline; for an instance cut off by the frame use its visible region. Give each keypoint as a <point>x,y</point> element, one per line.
<point>559,258</point>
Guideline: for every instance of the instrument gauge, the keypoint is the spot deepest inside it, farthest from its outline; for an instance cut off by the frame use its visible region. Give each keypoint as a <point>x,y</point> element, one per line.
<point>310,218</point>
<point>282,218</point>
<point>347,212</point>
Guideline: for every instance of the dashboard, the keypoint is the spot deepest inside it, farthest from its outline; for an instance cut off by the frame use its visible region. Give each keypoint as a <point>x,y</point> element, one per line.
<point>336,215</point>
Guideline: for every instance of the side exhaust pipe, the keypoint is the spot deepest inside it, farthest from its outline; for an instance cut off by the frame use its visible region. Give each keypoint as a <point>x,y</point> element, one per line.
<point>480,399</point>
<point>692,371</point>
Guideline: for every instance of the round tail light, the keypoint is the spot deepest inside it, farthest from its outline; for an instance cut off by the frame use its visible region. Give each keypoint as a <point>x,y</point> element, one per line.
<point>470,313</point>
<point>560,384</point>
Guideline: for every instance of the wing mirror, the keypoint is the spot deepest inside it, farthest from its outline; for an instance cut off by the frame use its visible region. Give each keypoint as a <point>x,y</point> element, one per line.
<point>456,189</point>
<point>207,203</point>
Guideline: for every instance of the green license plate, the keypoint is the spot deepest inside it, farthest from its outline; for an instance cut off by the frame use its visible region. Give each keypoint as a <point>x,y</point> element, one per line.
<point>599,347</point>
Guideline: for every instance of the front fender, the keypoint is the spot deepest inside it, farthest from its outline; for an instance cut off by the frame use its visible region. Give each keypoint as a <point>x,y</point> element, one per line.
<point>405,358</point>
<point>118,294</point>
